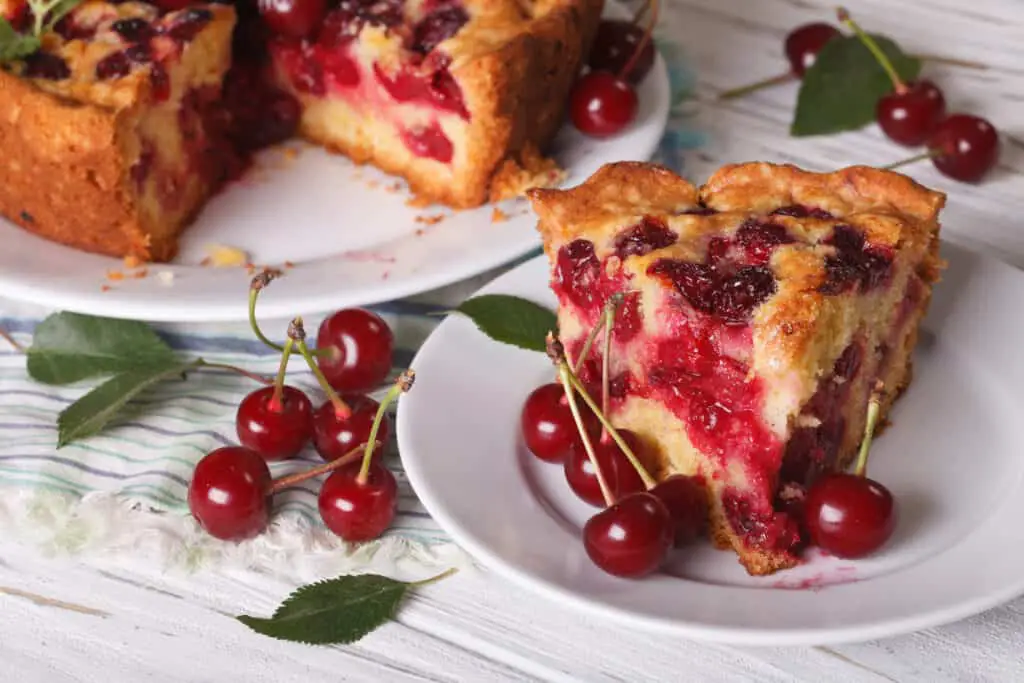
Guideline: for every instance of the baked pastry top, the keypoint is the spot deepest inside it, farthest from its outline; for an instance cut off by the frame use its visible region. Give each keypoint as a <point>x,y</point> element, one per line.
<point>758,310</point>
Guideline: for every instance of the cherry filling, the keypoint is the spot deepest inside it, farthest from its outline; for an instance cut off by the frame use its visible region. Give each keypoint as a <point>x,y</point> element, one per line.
<point>801,211</point>
<point>433,86</point>
<point>430,142</point>
<point>760,528</point>
<point>46,65</point>
<point>438,26</point>
<point>855,262</point>
<point>730,294</point>
<point>758,239</point>
<point>643,238</point>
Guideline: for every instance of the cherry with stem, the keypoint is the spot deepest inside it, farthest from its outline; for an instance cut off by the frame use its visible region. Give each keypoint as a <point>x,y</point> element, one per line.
<point>848,514</point>
<point>358,504</point>
<point>912,112</point>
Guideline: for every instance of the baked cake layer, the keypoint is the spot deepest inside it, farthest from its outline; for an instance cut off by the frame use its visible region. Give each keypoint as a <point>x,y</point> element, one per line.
<point>759,310</point>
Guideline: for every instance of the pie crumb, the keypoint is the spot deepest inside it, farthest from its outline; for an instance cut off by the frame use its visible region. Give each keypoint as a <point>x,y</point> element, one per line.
<point>515,176</point>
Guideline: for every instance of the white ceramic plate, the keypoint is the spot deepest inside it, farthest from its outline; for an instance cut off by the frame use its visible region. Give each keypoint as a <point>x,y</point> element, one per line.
<point>350,235</point>
<point>952,458</point>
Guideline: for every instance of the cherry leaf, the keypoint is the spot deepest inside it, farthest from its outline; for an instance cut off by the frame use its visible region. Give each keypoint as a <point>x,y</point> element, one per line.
<point>511,320</point>
<point>91,413</point>
<point>840,91</point>
<point>14,45</point>
<point>68,347</point>
<point>340,610</point>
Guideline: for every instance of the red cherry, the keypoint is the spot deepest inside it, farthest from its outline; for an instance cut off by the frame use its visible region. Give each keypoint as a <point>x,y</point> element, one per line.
<point>228,493</point>
<point>964,147</point>
<point>614,45</point>
<point>602,104</point>
<point>848,515</point>
<point>805,42</point>
<point>275,431</point>
<point>362,345</point>
<point>619,473</point>
<point>687,503</point>
<point>547,424</point>
<point>359,511</point>
<point>910,116</point>
<point>631,538</point>
<point>293,18</point>
<point>334,436</point>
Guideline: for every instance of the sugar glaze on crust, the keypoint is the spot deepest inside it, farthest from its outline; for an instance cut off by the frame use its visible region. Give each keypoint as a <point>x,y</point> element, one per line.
<point>761,307</point>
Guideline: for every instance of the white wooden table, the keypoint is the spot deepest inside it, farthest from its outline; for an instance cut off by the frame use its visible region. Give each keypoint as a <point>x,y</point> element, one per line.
<point>63,621</point>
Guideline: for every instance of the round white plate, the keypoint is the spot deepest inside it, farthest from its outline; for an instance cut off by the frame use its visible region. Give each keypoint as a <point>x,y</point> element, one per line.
<point>348,231</point>
<point>952,459</point>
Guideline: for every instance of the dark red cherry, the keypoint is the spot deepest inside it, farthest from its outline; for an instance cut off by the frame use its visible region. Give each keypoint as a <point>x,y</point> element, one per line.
<point>631,538</point>
<point>334,436</point>
<point>619,473</point>
<point>228,493</point>
<point>293,18</point>
<point>359,511</point>
<point>602,104</point>
<point>964,147</point>
<point>687,502</point>
<point>805,42</point>
<point>275,430</point>
<point>849,516</point>
<point>547,424</point>
<point>361,346</point>
<point>614,45</point>
<point>911,116</point>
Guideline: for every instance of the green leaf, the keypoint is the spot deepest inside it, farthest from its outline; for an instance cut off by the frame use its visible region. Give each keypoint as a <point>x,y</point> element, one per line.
<point>511,320</point>
<point>14,45</point>
<point>91,413</point>
<point>68,347</point>
<point>841,89</point>
<point>340,610</point>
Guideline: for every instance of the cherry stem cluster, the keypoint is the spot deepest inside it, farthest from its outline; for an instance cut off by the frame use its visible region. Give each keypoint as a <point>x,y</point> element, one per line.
<point>277,400</point>
<point>860,469</point>
<point>258,284</point>
<point>402,385</point>
<point>297,334</point>
<point>642,45</point>
<point>299,477</point>
<point>870,44</point>
<point>565,377</point>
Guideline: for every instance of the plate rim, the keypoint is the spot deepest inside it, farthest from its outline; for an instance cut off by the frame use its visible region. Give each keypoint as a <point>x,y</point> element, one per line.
<point>735,635</point>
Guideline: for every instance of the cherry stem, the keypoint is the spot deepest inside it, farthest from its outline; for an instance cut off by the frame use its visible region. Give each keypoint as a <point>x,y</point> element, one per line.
<point>277,400</point>
<point>232,368</point>
<point>914,159</point>
<point>751,87</point>
<point>6,336</point>
<point>434,579</point>
<point>870,44</point>
<point>402,384</point>
<point>967,64</point>
<point>299,477</point>
<point>258,284</point>
<point>648,480</point>
<point>565,376</point>
<point>869,429</point>
<point>642,45</point>
<point>297,333</point>
<point>587,344</point>
<point>609,325</point>
<point>640,13</point>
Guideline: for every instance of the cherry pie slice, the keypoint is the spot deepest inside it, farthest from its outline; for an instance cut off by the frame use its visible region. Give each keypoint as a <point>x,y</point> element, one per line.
<point>759,310</point>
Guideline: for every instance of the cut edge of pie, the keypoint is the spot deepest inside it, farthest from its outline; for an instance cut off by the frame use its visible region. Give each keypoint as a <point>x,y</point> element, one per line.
<point>760,310</point>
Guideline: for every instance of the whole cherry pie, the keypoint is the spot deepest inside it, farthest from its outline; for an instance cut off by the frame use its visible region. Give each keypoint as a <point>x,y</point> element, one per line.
<point>759,311</point>
<point>130,115</point>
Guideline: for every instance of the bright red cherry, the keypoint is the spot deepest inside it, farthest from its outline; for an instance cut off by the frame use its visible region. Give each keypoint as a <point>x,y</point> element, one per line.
<point>362,345</point>
<point>631,538</point>
<point>293,18</point>
<point>805,42</point>
<point>619,473</point>
<point>687,503</point>
<point>912,114</point>
<point>228,493</point>
<point>615,44</point>
<point>277,430</point>
<point>547,424</point>
<point>848,515</point>
<point>359,511</point>
<point>334,436</point>
<point>964,147</point>
<point>602,104</point>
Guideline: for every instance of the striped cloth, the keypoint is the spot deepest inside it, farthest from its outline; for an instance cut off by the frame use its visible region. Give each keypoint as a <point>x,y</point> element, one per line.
<point>99,495</point>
